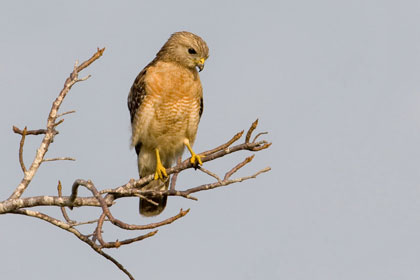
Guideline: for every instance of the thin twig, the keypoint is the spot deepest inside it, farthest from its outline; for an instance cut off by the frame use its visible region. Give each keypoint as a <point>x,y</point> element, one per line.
<point>58,158</point>
<point>22,142</point>
<point>58,123</point>
<point>66,113</point>
<point>175,175</point>
<point>208,172</point>
<point>224,182</point>
<point>98,236</point>
<point>86,223</point>
<point>237,167</point>
<point>147,199</point>
<point>225,145</point>
<point>258,135</point>
<point>117,243</point>
<point>88,62</point>
<point>63,209</point>
<point>84,78</point>
<point>250,130</point>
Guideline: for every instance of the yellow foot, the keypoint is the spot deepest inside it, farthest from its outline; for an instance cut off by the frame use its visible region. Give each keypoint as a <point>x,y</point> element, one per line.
<point>160,169</point>
<point>195,159</point>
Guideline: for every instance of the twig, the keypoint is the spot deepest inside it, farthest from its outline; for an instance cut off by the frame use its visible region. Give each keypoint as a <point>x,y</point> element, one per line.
<point>117,243</point>
<point>237,167</point>
<point>58,158</point>
<point>85,223</point>
<point>258,135</point>
<point>208,172</point>
<point>224,182</point>
<point>84,78</point>
<point>58,123</point>
<point>225,145</point>
<point>22,142</point>
<point>146,198</point>
<point>94,57</point>
<point>175,175</point>
<point>63,210</point>
<point>251,129</point>
<point>66,113</point>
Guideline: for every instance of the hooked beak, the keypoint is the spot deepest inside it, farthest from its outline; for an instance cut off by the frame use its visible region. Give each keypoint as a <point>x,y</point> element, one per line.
<point>200,64</point>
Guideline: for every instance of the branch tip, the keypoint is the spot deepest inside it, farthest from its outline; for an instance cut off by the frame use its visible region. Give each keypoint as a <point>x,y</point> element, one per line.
<point>250,130</point>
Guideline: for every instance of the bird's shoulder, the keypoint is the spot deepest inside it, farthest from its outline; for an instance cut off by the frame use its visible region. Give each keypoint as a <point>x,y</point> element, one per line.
<point>138,90</point>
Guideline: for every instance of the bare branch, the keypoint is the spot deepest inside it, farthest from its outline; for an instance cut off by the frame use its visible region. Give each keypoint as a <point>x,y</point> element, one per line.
<point>68,228</point>
<point>106,198</point>
<point>46,200</point>
<point>51,124</point>
<point>31,132</point>
<point>91,187</point>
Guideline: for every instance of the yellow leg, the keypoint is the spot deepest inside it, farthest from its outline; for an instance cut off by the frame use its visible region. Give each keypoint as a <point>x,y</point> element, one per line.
<point>160,169</point>
<point>195,159</point>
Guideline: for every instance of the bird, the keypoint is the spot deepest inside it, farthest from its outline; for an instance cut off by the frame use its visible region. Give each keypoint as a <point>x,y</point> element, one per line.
<point>165,104</point>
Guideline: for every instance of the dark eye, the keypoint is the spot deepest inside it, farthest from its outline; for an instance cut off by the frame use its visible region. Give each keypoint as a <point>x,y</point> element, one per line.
<point>191,51</point>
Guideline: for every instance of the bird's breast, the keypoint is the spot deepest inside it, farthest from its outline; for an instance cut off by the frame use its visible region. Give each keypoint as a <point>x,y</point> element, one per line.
<point>170,110</point>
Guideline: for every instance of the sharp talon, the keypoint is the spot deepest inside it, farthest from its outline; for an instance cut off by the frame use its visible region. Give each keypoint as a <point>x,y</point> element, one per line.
<point>160,172</point>
<point>196,160</point>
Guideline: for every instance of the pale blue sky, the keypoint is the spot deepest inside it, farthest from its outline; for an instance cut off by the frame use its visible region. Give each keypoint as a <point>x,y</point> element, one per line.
<point>336,83</point>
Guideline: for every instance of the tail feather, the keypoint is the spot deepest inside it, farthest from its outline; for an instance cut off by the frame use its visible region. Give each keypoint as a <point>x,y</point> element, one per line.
<point>148,208</point>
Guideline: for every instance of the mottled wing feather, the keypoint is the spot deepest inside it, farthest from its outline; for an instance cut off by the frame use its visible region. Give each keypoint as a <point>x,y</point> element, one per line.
<point>201,107</point>
<point>136,97</point>
<point>137,93</point>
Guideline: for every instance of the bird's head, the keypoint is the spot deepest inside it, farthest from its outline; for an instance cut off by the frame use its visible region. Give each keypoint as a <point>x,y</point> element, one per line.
<point>185,48</point>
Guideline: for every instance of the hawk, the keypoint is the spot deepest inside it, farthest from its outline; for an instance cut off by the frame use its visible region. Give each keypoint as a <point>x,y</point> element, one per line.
<point>165,104</point>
